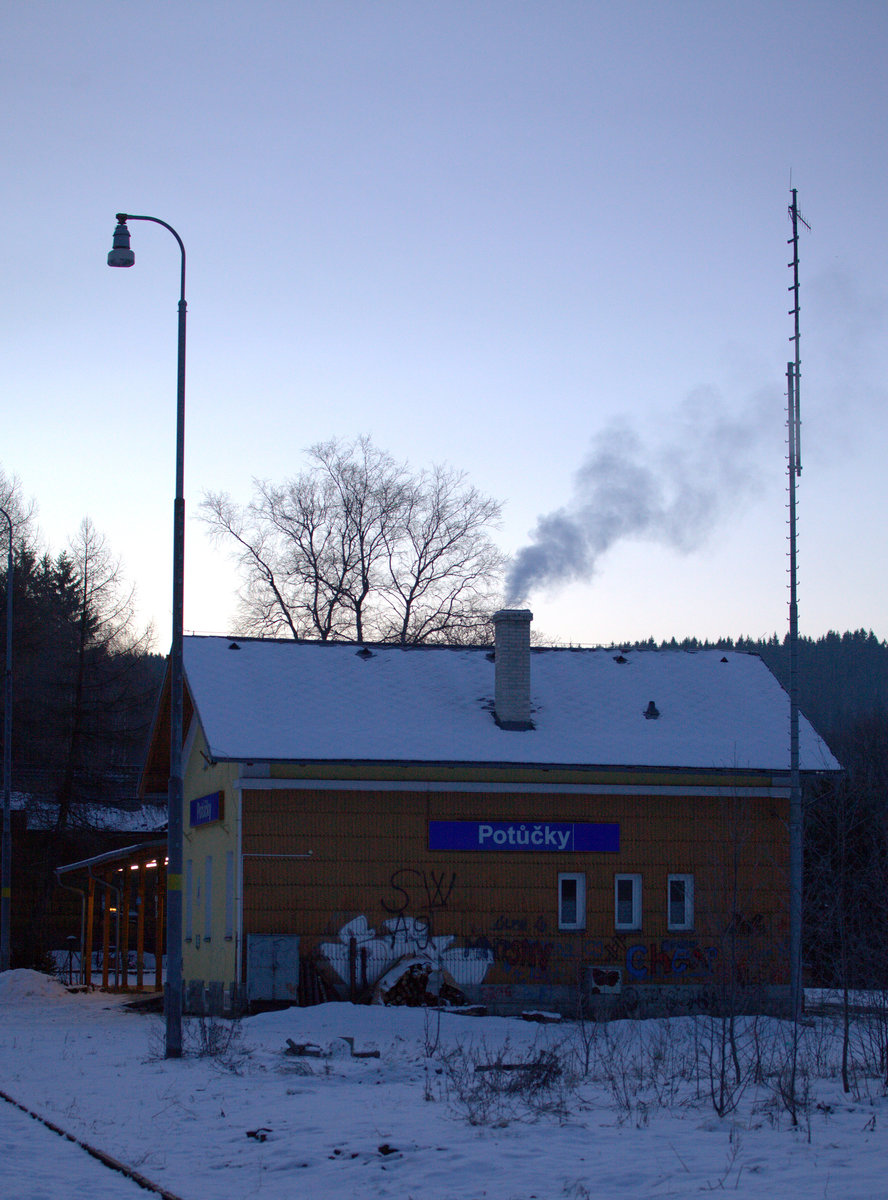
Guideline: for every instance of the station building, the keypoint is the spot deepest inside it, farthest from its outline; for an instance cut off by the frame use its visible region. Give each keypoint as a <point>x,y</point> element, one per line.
<point>505,826</point>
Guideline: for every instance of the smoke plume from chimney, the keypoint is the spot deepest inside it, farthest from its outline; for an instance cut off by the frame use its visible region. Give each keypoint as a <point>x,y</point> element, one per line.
<point>671,489</point>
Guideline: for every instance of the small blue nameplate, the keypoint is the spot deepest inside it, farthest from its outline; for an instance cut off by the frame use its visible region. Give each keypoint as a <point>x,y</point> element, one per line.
<point>206,809</point>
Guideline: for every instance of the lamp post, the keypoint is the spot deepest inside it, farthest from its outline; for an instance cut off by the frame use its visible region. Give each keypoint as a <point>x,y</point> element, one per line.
<point>122,256</point>
<point>6,864</point>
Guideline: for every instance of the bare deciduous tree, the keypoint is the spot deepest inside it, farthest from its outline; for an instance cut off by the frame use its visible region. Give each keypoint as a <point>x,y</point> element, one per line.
<point>101,695</point>
<point>19,511</point>
<point>358,547</point>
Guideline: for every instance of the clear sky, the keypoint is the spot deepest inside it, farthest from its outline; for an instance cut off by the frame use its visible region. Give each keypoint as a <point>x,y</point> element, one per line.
<point>525,238</point>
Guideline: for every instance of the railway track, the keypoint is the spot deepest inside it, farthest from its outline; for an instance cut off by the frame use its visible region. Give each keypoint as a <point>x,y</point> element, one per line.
<point>106,1160</point>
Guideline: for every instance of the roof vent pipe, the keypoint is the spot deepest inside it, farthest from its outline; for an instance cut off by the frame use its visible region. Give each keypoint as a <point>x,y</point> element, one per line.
<point>512,668</point>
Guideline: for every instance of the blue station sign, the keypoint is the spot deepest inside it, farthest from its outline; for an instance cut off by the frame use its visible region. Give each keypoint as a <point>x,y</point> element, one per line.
<point>206,809</point>
<point>534,836</point>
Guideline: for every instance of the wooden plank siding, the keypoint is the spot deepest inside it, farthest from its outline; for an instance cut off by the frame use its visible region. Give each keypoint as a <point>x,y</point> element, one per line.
<point>369,859</point>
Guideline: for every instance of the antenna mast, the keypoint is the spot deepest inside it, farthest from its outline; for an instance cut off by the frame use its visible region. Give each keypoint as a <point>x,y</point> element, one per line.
<point>794,463</point>
<point>795,434</point>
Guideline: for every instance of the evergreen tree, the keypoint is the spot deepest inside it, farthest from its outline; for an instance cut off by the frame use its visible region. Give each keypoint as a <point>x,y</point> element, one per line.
<point>84,684</point>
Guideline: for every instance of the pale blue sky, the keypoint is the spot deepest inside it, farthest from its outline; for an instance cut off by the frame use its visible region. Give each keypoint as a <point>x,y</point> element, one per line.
<point>493,234</point>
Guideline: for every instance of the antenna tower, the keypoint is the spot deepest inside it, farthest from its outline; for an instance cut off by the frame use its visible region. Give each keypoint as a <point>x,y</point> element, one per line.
<point>797,219</point>
<point>794,464</point>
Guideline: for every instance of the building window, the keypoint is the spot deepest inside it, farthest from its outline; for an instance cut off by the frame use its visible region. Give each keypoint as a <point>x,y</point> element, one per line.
<point>680,902</point>
<point>189,898</point>
<point>627,902</point>
<point>208,898</point>
<point>572,901</point>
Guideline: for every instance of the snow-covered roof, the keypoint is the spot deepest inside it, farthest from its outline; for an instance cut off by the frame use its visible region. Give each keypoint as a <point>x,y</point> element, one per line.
<point>308,701</point>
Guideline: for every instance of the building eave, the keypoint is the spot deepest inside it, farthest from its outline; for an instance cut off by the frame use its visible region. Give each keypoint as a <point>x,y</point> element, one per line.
<point>368,770</point>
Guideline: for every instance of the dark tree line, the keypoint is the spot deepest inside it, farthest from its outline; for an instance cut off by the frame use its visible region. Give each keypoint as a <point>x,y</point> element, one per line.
<point>843,677</point>
<point>84,687</point>
<point>84,682</point>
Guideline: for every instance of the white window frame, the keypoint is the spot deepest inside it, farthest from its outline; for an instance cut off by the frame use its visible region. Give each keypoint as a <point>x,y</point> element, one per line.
<point>688,922</point>
<point>579,879</point>
<point>635,922</point>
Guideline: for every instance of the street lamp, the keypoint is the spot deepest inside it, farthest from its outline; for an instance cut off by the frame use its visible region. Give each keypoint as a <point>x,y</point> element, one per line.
<point>122,256</point>
<point>6,863</point>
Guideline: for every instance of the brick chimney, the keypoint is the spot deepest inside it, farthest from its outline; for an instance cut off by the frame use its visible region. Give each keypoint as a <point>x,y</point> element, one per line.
<point>512,652</point>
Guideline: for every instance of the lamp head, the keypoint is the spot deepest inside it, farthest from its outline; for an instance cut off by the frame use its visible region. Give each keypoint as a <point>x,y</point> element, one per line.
<point>121,255</point>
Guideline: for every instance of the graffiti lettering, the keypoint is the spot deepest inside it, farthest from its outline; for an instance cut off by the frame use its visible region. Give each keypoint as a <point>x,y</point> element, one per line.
<point>437,897</point>
<point>519,924</point>
<point>524,954</point>
<point>433,887</point>
<point>613,949</point>
<point>412,931</point>
<point>670,958</point>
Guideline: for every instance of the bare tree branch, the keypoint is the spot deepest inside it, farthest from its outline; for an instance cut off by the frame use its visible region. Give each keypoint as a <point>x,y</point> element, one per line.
<point>358,547</point>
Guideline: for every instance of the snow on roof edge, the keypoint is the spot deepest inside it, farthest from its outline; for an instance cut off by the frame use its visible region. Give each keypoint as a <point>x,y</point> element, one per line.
<point>285,701</point>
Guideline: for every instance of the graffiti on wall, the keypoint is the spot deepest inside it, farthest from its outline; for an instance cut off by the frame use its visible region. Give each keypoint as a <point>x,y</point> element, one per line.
<point>670,959</point>
<point>515,946</point>
<point>424,892</point>
<point>404,937</point>
<point>526,947</point>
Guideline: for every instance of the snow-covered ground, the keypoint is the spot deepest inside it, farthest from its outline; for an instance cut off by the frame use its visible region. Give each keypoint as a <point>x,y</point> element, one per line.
<point>419,1122</point>
<point>40,1165</point>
